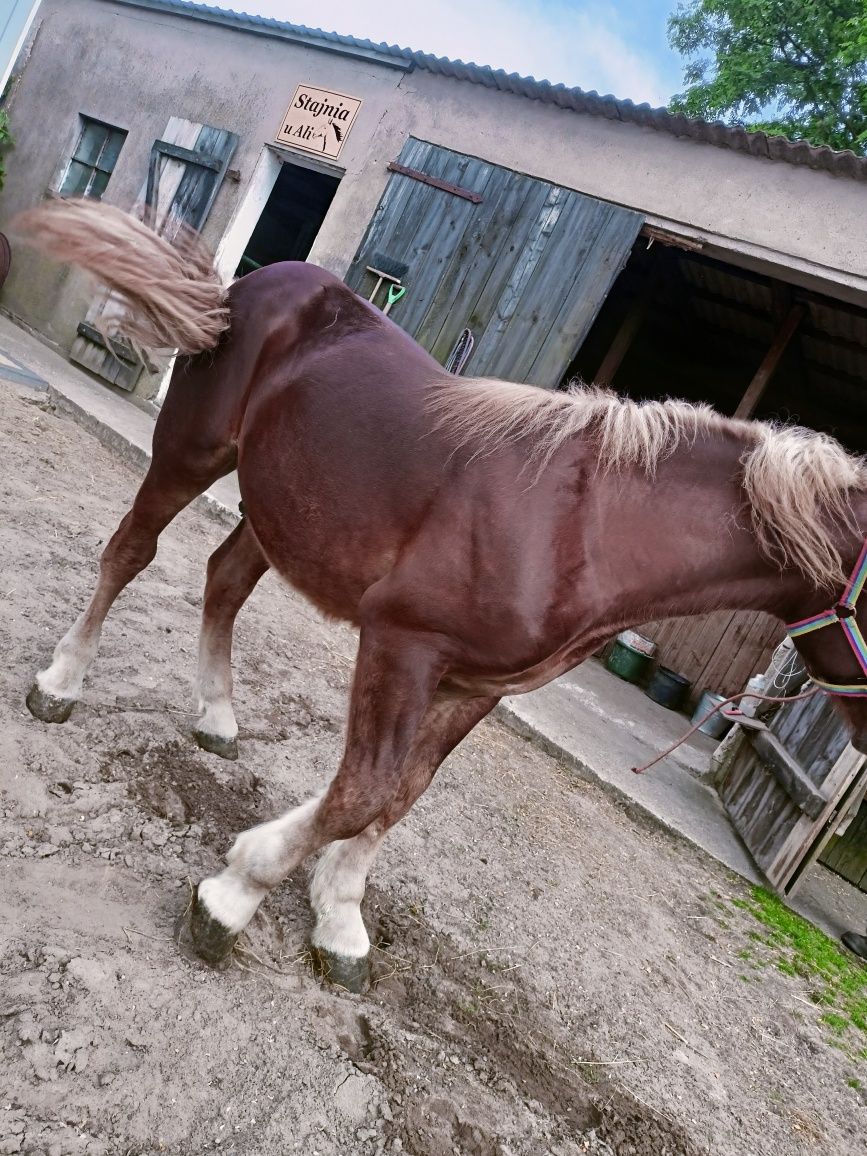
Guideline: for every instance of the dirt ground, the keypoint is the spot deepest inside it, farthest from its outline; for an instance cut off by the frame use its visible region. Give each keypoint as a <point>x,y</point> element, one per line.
<point>553,974</point>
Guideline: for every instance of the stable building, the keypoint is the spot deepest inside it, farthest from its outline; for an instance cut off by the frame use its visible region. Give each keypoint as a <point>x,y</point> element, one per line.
<point>515,228</point>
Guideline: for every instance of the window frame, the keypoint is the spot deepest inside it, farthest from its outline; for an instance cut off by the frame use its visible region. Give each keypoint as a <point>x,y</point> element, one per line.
<point>97,170</point>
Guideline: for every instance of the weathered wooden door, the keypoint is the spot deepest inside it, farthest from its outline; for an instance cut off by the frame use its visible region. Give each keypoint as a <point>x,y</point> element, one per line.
<point>523,264</point>
<point>789,784</point>
<point>846,851</point>
<point>185,171</point>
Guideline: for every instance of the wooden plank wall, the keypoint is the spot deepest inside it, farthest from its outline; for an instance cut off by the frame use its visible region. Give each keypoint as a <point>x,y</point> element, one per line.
<point>772,825</point>
<point>813,733</point>
<point>760,810</point>
<point>717,652</point>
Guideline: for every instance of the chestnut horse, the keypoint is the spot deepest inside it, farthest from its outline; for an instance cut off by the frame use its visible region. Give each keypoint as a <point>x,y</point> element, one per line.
<point>485,537</point>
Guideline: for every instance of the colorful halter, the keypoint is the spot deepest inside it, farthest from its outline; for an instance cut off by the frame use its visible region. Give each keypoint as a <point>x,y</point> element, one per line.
<point>844,614</point>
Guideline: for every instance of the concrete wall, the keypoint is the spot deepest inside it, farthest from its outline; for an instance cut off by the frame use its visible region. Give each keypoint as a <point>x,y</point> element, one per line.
<point>134,68</point>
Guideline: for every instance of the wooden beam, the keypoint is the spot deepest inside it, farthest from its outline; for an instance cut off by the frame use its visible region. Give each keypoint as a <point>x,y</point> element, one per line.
<point>623,339</point>
<point>788,773</point>
<point>188,156</point>
<point>118,348</point>
<point>785,333</point>
<point>673,240</point>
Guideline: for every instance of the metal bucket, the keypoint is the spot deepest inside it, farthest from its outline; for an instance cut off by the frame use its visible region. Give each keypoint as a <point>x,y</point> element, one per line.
<point>717,725</point>
<point>627,662</point>
<point>668,688</point>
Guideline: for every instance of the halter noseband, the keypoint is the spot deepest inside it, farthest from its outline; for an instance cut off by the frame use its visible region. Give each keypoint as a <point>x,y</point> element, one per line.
<point>843,614</point>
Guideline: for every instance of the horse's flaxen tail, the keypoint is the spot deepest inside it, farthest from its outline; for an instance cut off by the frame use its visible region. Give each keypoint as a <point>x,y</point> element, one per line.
<point>172,294</point>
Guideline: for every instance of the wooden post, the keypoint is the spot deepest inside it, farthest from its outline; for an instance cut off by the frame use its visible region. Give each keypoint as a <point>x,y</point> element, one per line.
<point>622,341</point>
<point>785,333</point>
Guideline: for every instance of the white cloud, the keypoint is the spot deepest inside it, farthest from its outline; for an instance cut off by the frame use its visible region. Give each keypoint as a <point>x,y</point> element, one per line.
<point>578,42</point>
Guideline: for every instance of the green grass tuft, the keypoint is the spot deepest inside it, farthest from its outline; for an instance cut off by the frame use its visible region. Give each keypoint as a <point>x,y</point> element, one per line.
<point>835,1022</point>
<point>802,950</point>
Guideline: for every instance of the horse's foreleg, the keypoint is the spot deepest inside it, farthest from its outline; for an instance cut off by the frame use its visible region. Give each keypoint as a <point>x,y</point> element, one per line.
<point>130,549</point>
<point>233,570</point>
<point>395,678</point>
<point>340,940</point>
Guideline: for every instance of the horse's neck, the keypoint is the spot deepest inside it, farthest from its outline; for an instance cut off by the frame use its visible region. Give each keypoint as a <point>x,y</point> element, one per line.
<point>681,542</point>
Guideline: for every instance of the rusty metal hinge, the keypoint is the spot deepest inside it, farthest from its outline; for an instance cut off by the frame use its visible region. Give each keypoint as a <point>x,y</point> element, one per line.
<point>435,182</point>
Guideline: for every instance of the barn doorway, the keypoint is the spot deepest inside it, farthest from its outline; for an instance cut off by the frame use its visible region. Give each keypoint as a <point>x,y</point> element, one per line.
<point>291,218</point>
<point>680,322</point>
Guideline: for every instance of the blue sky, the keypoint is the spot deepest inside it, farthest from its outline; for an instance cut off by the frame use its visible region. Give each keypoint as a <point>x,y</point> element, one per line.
<point>616,46</point>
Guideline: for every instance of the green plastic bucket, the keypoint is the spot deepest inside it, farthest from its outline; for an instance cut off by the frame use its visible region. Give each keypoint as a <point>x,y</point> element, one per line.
<point>627,662</point>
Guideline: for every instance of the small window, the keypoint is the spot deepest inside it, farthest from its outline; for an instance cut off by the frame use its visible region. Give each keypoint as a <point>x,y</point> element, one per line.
<point>93,159</point>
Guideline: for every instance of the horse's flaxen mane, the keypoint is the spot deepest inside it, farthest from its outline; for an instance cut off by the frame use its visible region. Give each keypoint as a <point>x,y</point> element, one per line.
<point>797,482</point>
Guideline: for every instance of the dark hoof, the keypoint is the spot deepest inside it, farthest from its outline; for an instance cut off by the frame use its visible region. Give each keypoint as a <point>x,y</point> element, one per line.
<point>855,942</point>
<point>212,941</point>
<point>343,970</point>
<point>225,748</point>
<point>46,707</point>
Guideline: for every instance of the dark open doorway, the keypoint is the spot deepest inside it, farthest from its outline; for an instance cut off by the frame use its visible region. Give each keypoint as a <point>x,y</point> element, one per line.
<point>291,218</point>
<point>679,323</point>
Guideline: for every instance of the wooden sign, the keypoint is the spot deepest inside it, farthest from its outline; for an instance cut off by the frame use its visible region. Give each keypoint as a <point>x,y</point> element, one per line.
<point>318,121</point>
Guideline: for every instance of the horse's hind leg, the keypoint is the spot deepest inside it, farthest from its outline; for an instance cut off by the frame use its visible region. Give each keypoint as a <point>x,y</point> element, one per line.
<point>233,570</point>
<point>166,489</point>
<point>340,941</point>
<point>395,679</point>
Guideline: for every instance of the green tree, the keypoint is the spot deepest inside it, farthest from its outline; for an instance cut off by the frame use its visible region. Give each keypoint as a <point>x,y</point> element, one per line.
<point>796,68</point>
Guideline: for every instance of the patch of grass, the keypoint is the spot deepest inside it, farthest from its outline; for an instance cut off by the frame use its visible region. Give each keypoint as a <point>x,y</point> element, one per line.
<point>854,1082</point>
<point>802,950</point>
<point>752,959</point>
<point>785,966</point>
<point>835,1022</point>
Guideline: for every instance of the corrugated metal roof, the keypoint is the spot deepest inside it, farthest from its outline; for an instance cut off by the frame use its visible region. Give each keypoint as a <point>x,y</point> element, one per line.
<point>758,144</point>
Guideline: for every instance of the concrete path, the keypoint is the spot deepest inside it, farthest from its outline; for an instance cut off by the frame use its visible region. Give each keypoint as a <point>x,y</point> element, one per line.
<point>106,412</point>
<point>603,727</point>
<point>589,719</point>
